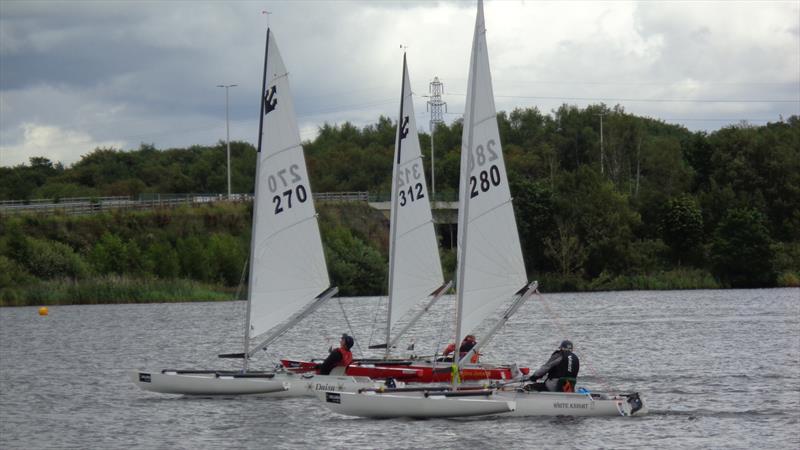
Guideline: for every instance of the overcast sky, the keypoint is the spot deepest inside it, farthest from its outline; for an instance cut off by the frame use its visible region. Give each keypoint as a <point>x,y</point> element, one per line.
<point>75,75</point>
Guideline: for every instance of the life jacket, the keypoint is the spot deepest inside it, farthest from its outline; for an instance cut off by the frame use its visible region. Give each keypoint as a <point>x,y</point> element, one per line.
<point>465,347</point>
<point>347,357</point>
<point>566,371</point>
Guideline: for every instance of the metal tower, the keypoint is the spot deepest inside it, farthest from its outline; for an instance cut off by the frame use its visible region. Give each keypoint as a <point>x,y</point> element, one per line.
<point>437,109</point>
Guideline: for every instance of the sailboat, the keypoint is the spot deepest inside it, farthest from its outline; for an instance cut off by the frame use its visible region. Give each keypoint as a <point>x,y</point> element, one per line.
<point>414,265</point>
<point>415,270</point>
<point>288,273</point>
<point>491,271</point>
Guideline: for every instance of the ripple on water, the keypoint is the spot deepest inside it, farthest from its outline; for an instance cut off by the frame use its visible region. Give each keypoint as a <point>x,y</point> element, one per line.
<point>699,358</point>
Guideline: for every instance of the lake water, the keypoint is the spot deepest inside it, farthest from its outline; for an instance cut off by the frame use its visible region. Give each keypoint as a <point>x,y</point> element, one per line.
<point>719,369</point>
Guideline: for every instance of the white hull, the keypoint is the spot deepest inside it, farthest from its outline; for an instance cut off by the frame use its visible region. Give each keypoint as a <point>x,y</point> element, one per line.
<point>417,406</point>
<point>570,404</point>
<point>504,403</point>
<point>280,385</point>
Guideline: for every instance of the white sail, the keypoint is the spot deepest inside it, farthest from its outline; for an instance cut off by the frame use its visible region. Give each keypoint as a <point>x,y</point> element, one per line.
<point>287,269</point>
<point>415,269</point>
<point>491,268</point>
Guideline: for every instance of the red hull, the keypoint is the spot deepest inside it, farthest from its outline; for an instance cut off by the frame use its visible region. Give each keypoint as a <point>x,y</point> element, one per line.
<point>416,372</point>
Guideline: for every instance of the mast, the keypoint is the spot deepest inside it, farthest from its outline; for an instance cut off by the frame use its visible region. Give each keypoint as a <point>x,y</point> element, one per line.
<point>255,207</point>
<point>393,224</point>
<point>465,192</point>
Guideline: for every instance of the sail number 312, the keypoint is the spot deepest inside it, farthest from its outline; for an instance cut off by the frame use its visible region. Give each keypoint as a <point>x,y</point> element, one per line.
<point>406,177</point>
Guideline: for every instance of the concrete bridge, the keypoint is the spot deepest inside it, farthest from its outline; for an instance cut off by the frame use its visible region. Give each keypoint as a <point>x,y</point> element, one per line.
<point>443,212</point>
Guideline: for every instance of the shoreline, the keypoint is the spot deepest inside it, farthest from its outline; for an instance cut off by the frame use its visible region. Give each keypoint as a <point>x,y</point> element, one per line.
<point>127,290</point>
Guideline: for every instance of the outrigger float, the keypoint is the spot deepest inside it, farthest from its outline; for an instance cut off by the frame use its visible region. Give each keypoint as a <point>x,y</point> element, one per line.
<point>444,401</point>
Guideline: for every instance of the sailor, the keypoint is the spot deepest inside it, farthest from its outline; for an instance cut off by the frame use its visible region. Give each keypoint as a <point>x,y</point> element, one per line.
<point>561,370</point>
<point>339,357</point>
<point>466,345</point>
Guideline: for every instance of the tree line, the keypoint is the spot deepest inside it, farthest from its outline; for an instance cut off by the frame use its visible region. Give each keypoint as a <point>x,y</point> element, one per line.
<point>657,206</point>
<point>150,255</point>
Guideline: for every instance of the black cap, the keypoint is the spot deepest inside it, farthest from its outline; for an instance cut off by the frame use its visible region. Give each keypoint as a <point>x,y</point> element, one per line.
<point>565,345</point>
<point>348,341</point>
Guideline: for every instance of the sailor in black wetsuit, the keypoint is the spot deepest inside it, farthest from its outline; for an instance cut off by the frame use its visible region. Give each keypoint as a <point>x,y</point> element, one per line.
<point>561,370</point>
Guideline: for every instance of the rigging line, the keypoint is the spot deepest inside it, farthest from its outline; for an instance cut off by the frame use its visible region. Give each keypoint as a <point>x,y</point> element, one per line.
<point>556,320</point>
<point>375,320</point>
<point>241,279</point>
<point>349,326</point>
<point>438,343</point>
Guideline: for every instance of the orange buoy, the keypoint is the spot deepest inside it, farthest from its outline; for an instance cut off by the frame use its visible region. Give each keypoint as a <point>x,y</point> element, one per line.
<point>43,311</point>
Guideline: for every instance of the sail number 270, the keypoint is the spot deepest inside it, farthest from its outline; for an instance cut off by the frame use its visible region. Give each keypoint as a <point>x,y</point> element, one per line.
<point>486,178</point>
<point>284,184</point>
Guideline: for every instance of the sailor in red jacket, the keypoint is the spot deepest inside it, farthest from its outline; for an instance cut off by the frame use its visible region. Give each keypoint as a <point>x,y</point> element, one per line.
<point>339,356</point>
<point>466,345</point>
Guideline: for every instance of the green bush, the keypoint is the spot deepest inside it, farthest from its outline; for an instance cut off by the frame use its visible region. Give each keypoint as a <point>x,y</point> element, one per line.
<point>13,274</point>
<point>47,259</point>
<point>227,256</point>
<point>164,260</point>
<point>108,255</point>
<point>743,256</point>
<point>193,257</point>
<point>355,267</point>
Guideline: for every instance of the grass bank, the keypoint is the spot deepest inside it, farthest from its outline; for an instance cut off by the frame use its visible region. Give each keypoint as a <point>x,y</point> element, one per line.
<point>112,289</point>
<point>675,279</point>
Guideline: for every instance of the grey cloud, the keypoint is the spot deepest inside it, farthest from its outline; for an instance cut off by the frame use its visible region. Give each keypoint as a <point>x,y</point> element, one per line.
<point>147,71</point>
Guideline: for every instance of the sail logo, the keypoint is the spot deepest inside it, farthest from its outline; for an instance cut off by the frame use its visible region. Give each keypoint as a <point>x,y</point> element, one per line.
<point>270,102</point>
<point>404,128</point>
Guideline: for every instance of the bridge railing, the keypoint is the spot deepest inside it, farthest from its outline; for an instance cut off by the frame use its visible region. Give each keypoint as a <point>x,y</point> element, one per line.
<point>342,196</point>
<point>67,205</point>
<point>92,205</point>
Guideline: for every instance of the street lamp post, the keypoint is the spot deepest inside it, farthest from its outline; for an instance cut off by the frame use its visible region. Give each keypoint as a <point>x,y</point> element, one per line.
<point>228,133</point>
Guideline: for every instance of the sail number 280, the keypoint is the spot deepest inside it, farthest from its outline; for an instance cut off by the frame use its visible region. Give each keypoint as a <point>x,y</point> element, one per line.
<point>486,178</point>
<point>284,184</point>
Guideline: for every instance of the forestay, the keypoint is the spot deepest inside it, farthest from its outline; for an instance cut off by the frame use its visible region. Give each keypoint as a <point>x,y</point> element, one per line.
<point>491,268</point>
<point>287,269</point>
<point>415,269</point>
